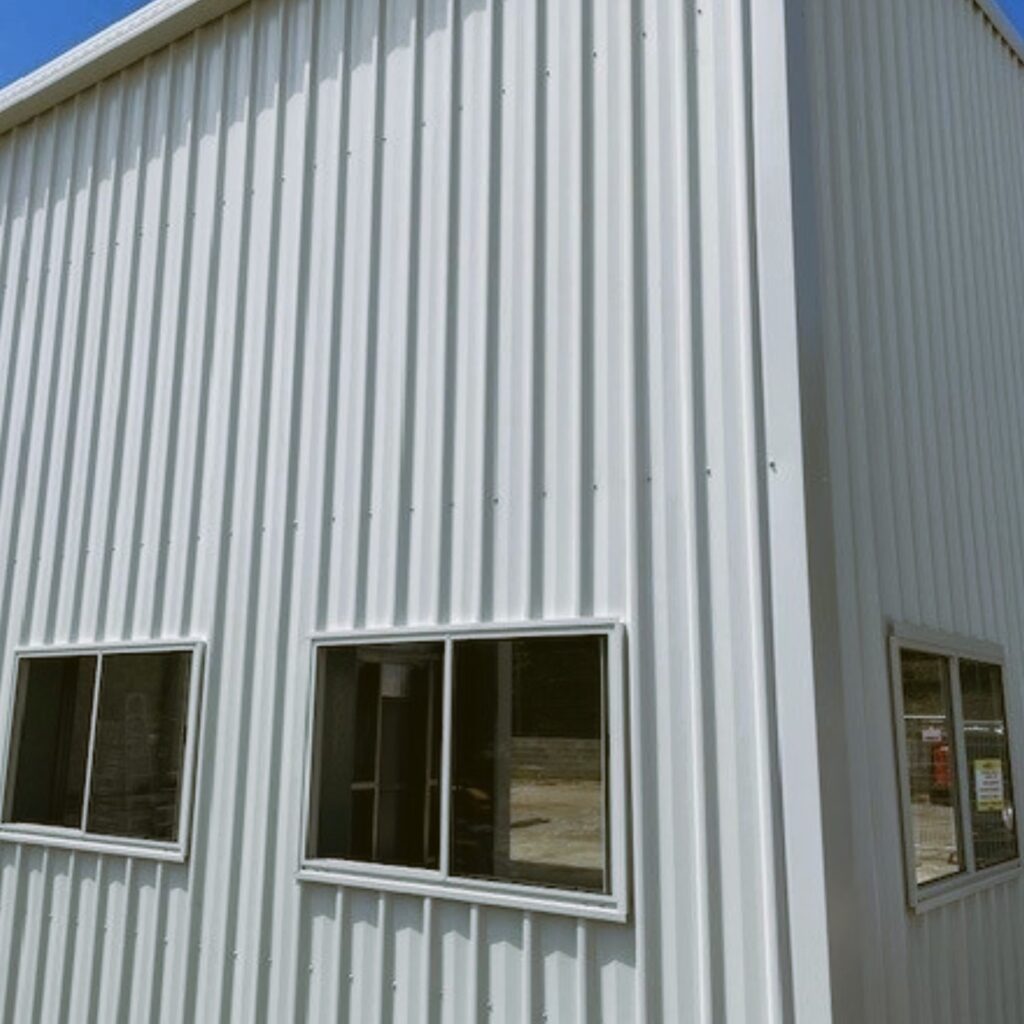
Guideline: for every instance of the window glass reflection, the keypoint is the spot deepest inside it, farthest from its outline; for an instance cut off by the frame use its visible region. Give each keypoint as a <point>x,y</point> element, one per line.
<point>528,774</point>
<point>931,757</point>
<point>53,717</point>
<point>140,745</point>
<point>988,764</point>
<point>377,771</point>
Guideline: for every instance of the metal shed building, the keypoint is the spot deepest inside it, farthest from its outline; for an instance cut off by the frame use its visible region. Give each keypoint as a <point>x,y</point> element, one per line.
<point>683,333</point>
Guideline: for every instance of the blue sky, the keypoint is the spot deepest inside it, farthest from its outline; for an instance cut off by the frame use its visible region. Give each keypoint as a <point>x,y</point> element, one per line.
<point>1015,9</point>
<point>34,31</point>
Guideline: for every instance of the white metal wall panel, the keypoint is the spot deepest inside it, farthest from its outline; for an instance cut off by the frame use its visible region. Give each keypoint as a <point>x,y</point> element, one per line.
<point>917,114</point>
<point>344,314</point>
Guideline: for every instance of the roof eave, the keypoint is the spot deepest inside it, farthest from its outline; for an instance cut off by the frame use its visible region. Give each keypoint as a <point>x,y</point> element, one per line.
<point>1002,24</point>
<point>156,25</point>
<point>161,22</point>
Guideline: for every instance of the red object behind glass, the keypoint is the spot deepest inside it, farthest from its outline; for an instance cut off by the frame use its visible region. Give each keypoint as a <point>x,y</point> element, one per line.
<point>942,772</point>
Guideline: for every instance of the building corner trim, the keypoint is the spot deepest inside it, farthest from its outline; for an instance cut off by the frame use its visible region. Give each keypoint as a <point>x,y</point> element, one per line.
<point>798,783</point>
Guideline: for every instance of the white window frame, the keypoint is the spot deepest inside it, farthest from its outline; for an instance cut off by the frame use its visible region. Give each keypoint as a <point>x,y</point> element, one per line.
<point>905,637</point>
<point>441,883</point>
<point>78,838</point>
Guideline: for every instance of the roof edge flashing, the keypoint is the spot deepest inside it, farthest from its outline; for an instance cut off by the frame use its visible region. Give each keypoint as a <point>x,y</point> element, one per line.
<point>150,28</point>
<point>1000,21</point>
<point>161,22</point>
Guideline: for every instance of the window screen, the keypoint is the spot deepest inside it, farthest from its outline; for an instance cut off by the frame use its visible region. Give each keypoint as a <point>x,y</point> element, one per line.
<point>99,743</point>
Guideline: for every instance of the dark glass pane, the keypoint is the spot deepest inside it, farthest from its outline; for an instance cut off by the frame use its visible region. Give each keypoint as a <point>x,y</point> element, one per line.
<point>932,761</point>
<point>51,740</point>
<point>362,825</point>
<point>140,745</point>
<point>367,703</point>
<point>988,764</point>
<point>528,780</point>
<point>377,766</point>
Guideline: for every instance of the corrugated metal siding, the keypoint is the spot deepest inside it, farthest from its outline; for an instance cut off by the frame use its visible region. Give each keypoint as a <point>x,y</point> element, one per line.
<point>918,129</point>
<point>343,314</point>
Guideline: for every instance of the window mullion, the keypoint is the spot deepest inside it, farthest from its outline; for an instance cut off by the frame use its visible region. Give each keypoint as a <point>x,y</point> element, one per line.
<point>444,839</point>
<point>92,740</point>
<point>960,747</point>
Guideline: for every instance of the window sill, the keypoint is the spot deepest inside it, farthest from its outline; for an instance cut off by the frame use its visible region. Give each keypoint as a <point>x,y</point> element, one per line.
<point>940,894</point>
<point>69,839</point>
<point>566,903</point>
